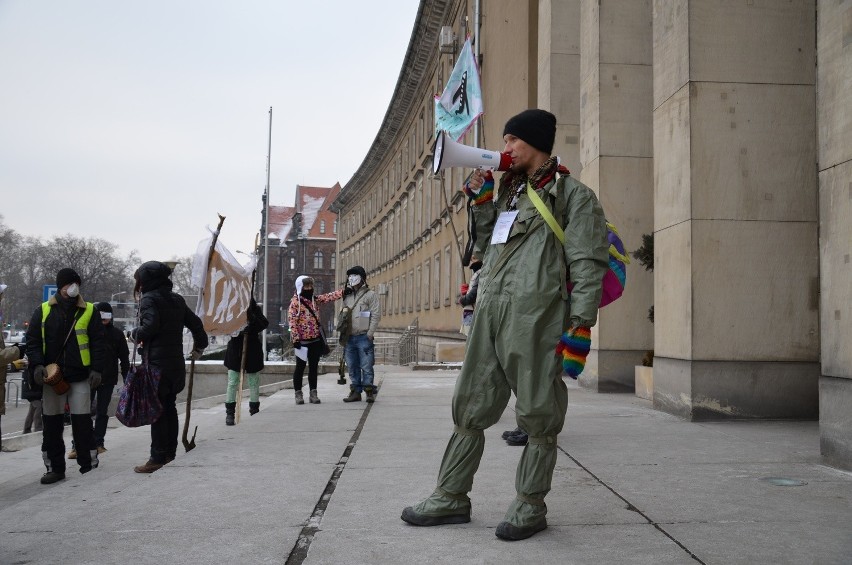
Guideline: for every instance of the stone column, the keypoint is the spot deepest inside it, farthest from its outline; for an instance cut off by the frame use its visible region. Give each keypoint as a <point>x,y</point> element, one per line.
<point>616,155</point>
<point>736,280</point>
<point>834,52</point>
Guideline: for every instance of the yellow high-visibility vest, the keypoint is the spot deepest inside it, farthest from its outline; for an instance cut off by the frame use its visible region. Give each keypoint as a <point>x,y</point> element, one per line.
<point>80,332</point>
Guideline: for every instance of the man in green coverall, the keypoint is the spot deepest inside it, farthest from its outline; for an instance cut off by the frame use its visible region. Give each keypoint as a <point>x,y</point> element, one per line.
<point>522,309</point>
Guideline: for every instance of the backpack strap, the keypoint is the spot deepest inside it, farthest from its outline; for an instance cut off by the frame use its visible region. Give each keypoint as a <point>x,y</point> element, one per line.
<point>545,213</point>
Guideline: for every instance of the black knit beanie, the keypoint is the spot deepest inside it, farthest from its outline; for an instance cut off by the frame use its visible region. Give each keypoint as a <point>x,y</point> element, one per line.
<point>357,270</point>
<point>536,127</point>
<point>67,276</point>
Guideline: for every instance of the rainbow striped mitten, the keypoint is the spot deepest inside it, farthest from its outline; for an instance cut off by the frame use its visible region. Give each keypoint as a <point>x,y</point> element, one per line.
<point>574,348</point>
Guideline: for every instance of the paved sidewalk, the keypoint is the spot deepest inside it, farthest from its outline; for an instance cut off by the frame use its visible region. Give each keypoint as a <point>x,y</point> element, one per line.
<point>325,484</point>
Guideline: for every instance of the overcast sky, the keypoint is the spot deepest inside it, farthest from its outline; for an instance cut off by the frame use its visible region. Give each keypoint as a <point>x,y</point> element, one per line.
<point>137,122</point>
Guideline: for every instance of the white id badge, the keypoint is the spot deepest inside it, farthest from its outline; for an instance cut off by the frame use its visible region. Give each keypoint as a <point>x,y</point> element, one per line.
<point>503,226</point>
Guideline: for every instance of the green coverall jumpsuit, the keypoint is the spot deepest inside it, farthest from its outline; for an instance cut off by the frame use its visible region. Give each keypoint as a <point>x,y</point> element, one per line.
<point>521,311</point>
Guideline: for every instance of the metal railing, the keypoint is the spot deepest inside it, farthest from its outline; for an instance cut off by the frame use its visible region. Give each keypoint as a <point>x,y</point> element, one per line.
<point>400,350</point>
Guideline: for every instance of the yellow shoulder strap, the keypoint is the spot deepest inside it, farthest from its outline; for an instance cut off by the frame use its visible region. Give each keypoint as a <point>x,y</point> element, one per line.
<point>545,213</point>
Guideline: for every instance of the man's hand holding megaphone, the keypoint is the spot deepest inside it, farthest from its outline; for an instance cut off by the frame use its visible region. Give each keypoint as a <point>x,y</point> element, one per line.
<point>479,186</point>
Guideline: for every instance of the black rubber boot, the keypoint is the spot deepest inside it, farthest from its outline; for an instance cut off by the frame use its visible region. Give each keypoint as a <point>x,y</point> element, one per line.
<point>53,449</point>
<point>230,408</point>
<point>254,408</point>
<point>81,429</point>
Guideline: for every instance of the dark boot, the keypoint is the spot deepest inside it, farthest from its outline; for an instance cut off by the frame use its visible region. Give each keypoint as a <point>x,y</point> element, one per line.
<point>254,408</point>
<point>508,433</point>
<point>230,408</point>
<point>53,449</point>
<point>81,429</point>
<point>314,399</point>
<point>300,398</point>
<point>519,438</point>
<point>354,396</point>
<point>371,394</point>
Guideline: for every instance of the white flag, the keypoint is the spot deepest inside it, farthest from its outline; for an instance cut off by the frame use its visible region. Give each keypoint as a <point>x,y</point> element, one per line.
<point>225,289</point>
<point>461,102</point>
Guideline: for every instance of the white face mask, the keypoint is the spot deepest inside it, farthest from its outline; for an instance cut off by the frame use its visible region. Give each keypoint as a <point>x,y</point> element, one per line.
<point>73,290</point>
<point>354,280</point>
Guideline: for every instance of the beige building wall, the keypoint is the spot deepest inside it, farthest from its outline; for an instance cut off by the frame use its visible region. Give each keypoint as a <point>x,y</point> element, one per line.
<point>616,155</point>
<point>698,121</point>
<point>404,225</point>
<point>834,52</point>
<point>735,214</point>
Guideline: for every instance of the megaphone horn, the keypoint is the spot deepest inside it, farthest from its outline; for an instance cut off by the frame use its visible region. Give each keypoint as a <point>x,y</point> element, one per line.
<point>450,153</point>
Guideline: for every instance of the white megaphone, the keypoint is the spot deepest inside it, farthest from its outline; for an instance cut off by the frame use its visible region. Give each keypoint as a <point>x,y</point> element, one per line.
<point>450,153</point>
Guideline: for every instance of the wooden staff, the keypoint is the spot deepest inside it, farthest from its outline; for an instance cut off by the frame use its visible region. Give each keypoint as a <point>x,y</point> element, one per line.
<point>189,445</point>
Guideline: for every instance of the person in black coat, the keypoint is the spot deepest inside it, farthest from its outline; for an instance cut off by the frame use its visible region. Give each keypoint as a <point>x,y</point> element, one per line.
<point>162,316</point>
<point>116,357</point>
<point>257,322</point>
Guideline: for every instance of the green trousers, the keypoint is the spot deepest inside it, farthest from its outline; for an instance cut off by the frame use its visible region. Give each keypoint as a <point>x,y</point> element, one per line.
<point>511,348</point>
<point>234,381</point>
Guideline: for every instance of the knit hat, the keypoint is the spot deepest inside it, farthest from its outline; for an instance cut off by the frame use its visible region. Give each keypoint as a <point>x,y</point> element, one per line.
<point>300,282</point>
<point>536,127</point>
<point>105,309</point>
<point>357,270</point>
<point>67,276</point>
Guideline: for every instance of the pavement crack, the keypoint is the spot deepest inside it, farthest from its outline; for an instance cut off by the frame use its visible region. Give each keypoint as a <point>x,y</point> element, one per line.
<point>303,543</point>
<point>630,506</point>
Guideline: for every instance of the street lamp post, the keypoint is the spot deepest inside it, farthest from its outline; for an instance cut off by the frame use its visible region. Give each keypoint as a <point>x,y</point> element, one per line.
<point>114,294</point>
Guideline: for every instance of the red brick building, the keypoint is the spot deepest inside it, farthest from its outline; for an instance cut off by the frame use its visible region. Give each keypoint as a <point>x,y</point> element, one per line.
<point>302,241</point>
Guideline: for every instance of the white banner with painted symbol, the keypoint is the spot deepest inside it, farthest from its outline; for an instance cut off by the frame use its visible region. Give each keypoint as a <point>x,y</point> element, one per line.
<point>225,288</point>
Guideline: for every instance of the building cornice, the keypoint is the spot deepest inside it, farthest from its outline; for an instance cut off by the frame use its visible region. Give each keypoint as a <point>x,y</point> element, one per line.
<point>408,95</point>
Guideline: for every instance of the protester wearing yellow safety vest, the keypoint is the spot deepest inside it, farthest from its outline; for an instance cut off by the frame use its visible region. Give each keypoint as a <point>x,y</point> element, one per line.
<point>66,331</point>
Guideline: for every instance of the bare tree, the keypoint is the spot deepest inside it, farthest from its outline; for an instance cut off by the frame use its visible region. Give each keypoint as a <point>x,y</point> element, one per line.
<point>29,264</point>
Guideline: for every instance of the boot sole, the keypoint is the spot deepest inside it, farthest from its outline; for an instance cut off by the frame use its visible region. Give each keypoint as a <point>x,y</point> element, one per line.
<point>415,519</point>
<point>510,532</point>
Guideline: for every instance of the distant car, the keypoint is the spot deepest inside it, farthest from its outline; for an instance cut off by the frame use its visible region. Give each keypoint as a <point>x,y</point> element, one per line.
<point>16,337</point>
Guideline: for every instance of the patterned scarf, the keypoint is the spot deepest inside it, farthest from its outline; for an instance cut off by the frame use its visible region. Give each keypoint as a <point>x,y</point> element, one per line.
<point>516,183</point>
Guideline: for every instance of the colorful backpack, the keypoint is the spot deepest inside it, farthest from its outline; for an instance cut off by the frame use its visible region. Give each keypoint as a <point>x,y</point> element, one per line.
<point>615,277</point>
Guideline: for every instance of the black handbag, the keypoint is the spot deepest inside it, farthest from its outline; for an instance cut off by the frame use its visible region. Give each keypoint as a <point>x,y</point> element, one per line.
<point>326,350</point>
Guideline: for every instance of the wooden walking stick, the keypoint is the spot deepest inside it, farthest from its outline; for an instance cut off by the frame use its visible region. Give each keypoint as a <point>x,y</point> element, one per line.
<point>189,445</point>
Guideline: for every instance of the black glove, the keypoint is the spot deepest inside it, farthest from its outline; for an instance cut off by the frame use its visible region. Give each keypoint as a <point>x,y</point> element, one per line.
<point>38,375</point>
<point>297,345</point>
<point>196,354</point>
<point>22,350</point>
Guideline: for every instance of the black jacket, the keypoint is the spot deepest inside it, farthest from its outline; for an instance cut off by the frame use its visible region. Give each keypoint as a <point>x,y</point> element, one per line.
<point>162,316</point>
<point>257,322</point>
<point>60,320</point>
<point>115,353</point>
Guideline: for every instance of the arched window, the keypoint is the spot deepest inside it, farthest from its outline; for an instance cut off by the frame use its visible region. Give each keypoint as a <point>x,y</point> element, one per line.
<point>335,227</point>
<point>318,260</point>
<point>292,263</point>
<point>322,226</point>
<point>333,261</point>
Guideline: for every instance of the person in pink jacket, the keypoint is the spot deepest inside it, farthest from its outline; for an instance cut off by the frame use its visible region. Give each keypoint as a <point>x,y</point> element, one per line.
<point>306,332</point>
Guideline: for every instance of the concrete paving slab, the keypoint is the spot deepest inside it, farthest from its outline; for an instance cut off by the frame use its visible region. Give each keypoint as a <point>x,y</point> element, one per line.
<point>327,483</point>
